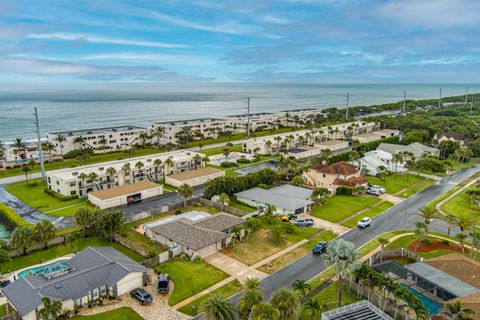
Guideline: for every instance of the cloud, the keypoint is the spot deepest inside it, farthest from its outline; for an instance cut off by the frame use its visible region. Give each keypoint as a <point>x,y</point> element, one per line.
<point>151,57</point>
<point>100,39</point>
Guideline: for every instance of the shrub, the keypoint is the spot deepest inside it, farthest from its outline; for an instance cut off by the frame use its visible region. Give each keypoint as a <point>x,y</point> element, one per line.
<point>426,242</point>
<point>243,161</point>
<point>288,227</point>
<point>32,184</point>
<point>59,196</point>
<point>77,152</point>
<point>431,164</point>
<point>228,164</point>
<point>445,242</point>
<point>344,190</point>
<point>10,218</point>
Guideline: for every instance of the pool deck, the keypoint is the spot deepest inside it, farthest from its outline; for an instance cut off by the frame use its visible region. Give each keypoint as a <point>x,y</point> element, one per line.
<point>10,276</point>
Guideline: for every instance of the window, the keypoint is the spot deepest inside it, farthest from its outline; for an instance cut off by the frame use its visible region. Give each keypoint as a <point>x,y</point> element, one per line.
<point>78,302</point>
<point>73,193</point>
<point>95,293</point>
<point>72,184</point>
<point>103,290</point>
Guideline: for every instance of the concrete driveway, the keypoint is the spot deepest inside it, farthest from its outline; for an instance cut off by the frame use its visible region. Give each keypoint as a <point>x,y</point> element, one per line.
<point>233,267</point>
<point>326,225</point>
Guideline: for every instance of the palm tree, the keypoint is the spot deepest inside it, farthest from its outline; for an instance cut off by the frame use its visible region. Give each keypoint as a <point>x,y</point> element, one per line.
<point>278,139</point>
<point>475,236</point>
<point>143,136</point>
<point>44,231</point>
<point>226,153</point>
<point>51,310</point>
<point>4,259</point>
<point>19,144</point>
<point>428,214</point>
<point>277,235</point>
<point>455,311</point>
<point>287,303</point>
<point>85,218</point>
<point>249,299</point>
<point>80,140</point>
<point>268,147</point>
<point>218,308</point>
<point>451,220</point>
<point>224,199</point>
<point>251,283</point>
<point>22,238</point>
<point>27,170</point>
<point>139,165</point>
<point>397,158</point>
<point>111,172</point>
<point>82,176</point>
<point>108,223</point>
<point>461,237</point>
<point>314,308</point>
<point>419,233</point>
<point>383,242</point>
<point>73,239</point>
<point>49,147</point>
<point>92,176</point>
<point>60,139</point>
<point>168,165</point>
<point>159,133</point>
<point>185,191</point>
<point>264,311</point>
<point>126,168</point>
<point>341,254</point>
<point>302,287</point>
<point>463,223</point>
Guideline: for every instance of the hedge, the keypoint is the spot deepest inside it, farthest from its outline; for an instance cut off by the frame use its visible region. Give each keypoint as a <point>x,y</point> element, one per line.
<point>344,190</point>
<point>59,196</point>
<point>10,218</point>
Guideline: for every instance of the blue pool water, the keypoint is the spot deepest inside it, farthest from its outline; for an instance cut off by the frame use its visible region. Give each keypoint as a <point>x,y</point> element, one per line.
<point>432,306</point>
<point>229,159</point>
<point>54,266</point>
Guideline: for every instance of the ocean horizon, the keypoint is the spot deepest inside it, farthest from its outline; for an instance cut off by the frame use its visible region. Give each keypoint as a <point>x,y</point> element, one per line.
<point>73,107</point>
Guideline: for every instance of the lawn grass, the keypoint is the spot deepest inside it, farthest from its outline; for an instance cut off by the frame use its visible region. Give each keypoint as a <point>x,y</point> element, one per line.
<point>236,204</point>
<point>144,242</point>
<point>460,205</point>
<point>32,193</point>
<point>3,310</point>
<point>215,151</point>
<point>340,207</point>
<point>395,182</point>
<point>190,278</point>
<point>226,291</point>
<point>123,313</point>
<point>418,187</point>
<point>372,212</point>
<point>296,253</point>
<point>57,251</point>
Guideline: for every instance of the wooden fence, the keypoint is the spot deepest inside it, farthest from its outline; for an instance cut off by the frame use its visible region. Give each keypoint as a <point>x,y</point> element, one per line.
<point>391,254</point>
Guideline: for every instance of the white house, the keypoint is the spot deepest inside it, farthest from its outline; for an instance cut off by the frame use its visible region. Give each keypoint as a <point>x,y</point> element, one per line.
<point>372,160</point>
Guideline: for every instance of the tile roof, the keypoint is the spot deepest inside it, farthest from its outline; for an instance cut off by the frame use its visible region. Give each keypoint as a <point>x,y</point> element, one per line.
<point>93,268</point>
<point>351,182</point>
<point>343,168</point>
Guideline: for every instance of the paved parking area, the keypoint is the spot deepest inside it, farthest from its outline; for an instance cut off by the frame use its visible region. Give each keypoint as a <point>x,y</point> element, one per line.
<point>256,168</point>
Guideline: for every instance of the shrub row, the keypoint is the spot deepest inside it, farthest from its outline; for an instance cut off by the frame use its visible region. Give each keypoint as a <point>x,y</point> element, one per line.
<point>59,196</point>
<point>10,218</point>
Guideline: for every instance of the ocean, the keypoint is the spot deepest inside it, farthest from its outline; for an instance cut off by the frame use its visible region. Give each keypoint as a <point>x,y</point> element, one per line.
<point>68,106</point>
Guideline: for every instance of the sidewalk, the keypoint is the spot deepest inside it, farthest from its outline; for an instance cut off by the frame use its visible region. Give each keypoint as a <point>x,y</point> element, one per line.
<point>441,203</point>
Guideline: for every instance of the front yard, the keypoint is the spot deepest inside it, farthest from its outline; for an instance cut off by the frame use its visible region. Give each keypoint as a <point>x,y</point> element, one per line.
<point>395,182</point>
<point>340,207</point>
<point>32,193</point>
<point>123,313</point>
<point>372,212</point>
<point>190,278</point>
<point>461,205</point>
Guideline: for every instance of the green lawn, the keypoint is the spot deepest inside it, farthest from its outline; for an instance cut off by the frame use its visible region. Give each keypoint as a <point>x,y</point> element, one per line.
<point>340,207</point>
<point>123,313</point>
<point>190,278</point>
<point>144,242</point>
<point>460,205</point>
<point>53,252</point>
<point>328,297</point>
<point>235,204</point>
<point>226,291</point>
<point>32,194</point>
<point>372,212</point>
<point>395,182</point>
<point>214,151</point>
<point>418,187</point>
<point>404,242</point>
<point>3,310</point>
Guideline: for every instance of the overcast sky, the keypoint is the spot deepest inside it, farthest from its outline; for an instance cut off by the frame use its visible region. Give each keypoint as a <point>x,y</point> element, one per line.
<point>315,41</point>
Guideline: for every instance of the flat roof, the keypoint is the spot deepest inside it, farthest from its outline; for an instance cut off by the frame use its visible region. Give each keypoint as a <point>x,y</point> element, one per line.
<point>98,130</point>
<point>298,150</point>
<point>367,135</point>
<point>187,175</point>
<point>331,142</point>
<point>190,120</point>
<point>193,216</point>
<point>124,190</point>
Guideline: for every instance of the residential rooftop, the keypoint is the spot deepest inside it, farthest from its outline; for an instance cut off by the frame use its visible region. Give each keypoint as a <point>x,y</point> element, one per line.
<point>190,121</point>
<point>105,130</point>
<point>201,172</point>
<point>285,197</point>
<point>124,190</point>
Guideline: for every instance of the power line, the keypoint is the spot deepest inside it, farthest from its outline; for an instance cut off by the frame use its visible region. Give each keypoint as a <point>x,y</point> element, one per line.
<point>40,152</point>
<point>404,100</point>
<point>348,100</point>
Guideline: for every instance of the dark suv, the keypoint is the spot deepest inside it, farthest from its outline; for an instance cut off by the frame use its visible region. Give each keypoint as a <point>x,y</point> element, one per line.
<point>163,283</point>
<point>320,247</point>
<point>142,296</point>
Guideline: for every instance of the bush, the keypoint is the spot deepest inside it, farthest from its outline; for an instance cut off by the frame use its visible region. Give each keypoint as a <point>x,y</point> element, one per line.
<point>426,242</point>
<point>10,218</point>
<point>77,152</point>
<point>445,242</point>
<point>288,227</point>
<point>431,164</point>
<point>32,184</point>
<point>59,196</point>
<point>243,161</point>
<point>228,164</point>
<point>344,190</point>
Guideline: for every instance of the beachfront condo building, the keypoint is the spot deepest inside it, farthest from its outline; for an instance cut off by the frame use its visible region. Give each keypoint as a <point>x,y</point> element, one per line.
<point>100,176</point>
<point>99,139</point>
<point>188,130</point>
<point>289,140</point>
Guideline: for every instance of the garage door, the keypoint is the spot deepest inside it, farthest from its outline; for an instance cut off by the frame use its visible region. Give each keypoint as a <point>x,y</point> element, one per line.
<point>207,250</point>
<point>128,285</point>
<point>113,202</point>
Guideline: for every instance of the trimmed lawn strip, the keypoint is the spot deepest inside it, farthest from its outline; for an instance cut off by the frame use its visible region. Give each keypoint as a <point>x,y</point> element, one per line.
<point>190,277</point>
<point>228,290</point>
<point>57,251</point>
<point>144,242</point>
<point>235,204</point>
<point>296,253</point>
<point>395,182</point>
<point>3,310</point>
<point>123,313</point>
<point>372,212</point>
<point>419,187</point>
<point>340,207</point>
<point>460,205</point>
<point>215,151</point>
<point>32,193</point>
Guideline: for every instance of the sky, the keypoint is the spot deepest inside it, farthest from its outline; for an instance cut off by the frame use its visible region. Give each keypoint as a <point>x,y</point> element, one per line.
<point>251,41</point>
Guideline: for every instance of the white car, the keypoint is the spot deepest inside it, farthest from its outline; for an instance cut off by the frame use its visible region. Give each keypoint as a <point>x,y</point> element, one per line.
<point>364,222</point>
<point>375,187</point>
<point>374,192</point>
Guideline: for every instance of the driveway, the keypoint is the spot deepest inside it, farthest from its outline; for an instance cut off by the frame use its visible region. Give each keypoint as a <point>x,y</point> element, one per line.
<point>233,267</point>
<point>391,198</point>
<point>327,225</point>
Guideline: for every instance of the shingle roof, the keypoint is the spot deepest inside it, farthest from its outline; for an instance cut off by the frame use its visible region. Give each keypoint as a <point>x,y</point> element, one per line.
<point>93,267</point>
<point>344,168</point>
<point>416,148</point>
<point>448,135</point>
<point>459,266</point>
<point>276,198</point>
<point>219,222</point>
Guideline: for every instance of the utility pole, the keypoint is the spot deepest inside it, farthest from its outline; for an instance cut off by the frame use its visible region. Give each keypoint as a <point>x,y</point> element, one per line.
<point>404,100</point>
<point>40,152</point>
<point>466,97</point>
<point>248,118</point>
<point>471,105</point>
<point>348,100</point>
<point>440,99</point>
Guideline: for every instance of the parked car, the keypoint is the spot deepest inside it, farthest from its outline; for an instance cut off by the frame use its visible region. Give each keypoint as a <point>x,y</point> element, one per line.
<point>320,247</point>
<point>382,190</point>
<point>141,295</point>
<point>303,222</point>
<point>289,217</point>
<point>4,283</point>
<point>163,283</point>
<point>374,192</point>
<point>364,222</point>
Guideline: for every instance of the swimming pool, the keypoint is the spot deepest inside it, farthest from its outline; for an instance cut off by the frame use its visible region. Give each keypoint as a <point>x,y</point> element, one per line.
<point>432,306</point>
<point>54,267</point>
<point>227,159</point>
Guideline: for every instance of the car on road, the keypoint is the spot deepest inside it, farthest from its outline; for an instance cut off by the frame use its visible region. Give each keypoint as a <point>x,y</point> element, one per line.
<point>364,222</point>
<point>303,222</point>
<point>142,296</point>
<point>320,247</point>
<point>163,283</point>
<point>373,192</point>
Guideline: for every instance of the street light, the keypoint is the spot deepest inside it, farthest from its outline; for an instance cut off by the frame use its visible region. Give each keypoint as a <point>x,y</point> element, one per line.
<point>405,212</point>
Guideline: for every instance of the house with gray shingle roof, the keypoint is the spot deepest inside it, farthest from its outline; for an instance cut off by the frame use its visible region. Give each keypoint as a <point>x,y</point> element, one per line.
<point>91,273</point>
<point>200,237</point>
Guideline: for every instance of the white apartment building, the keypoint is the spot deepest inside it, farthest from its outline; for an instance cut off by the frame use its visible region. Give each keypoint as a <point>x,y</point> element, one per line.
<point>272,144</point>
<point>299,116</point>
<point>100,176</point>
<point>99,139</point>
<point>12,153</point>
<point>238,123</point>
<point>196,129</point>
